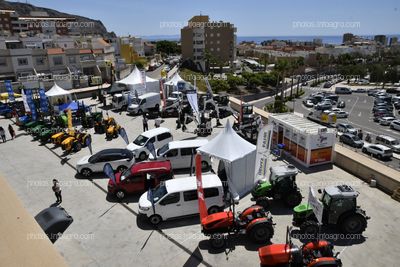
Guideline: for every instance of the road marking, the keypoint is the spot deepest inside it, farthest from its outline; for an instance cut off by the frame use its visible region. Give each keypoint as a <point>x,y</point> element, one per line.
<point>355,103</point>
<point>365,101</point>
<point>359,114</point>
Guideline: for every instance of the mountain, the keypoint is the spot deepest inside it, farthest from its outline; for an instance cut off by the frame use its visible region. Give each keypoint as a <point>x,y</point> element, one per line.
<point>24,9</point>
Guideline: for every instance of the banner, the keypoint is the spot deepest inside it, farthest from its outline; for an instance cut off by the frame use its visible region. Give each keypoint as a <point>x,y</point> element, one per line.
<point>143,78</point>
<point>264,141</point>
<point>124,136</point>
<point>30,103</point>
<point>25,101</point>
<point>10,91</point>
<point>109,172</point>
<point>316,205</point>
<point>200,192</point>
<point>192,98</point>
<point>162,89</point>
<point>209,90</point>
<point>44,105</point>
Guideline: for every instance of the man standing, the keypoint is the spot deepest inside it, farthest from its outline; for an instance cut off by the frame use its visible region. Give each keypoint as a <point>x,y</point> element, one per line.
<point>157,122</point>
<point>57,190</point>
<point>2,134</point>
<point>145,123</point>
<point>11,131</point>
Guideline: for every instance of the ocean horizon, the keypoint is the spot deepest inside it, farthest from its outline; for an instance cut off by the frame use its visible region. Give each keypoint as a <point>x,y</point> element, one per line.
<point>326,39</point>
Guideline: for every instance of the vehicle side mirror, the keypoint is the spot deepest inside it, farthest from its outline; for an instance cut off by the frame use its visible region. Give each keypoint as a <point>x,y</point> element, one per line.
<point>320,191</point>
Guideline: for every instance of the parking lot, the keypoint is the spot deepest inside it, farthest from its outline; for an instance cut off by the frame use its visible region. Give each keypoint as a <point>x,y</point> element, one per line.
<point>359,106</point>
<point>106,232</point>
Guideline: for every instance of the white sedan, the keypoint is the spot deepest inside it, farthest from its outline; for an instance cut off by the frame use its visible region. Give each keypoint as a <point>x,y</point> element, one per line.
<point>385,121</point>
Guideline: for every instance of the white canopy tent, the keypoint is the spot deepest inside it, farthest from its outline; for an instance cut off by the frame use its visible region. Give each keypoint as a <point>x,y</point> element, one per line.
<point>172,84</point>
<point>134,82</point>
<point>237,158</point>
<point>56,93</point>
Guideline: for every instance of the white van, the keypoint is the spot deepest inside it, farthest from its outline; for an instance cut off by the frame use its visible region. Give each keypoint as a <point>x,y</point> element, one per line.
<point>343,90</point>
<point>158,136</point>
<point>120,101</point>
<point>144,102</point>
<point>179,153</point>
<point>178,197</point>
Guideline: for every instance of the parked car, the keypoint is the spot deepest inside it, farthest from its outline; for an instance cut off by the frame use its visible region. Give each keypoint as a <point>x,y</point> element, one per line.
<point>351,140</point>
<point>120,160</point>
<point>395,125</point>
<point>158,136</point>
<point>323,106</point>
<point>385,121</point>
<point>343,90</point>
<point>360,90</point>
<point>346,128</point>
<point>181,153</point>
<point>308,103</point>
<point>139,178</point>
<point>372,92</point>
<point>341,104</point>
<point>342,114</point>
<point>382,112</point>
<point>388,141</point>
<point>178,197</point>
<point>381,106</point>
<point>379,151</point>
<point>396,105</point>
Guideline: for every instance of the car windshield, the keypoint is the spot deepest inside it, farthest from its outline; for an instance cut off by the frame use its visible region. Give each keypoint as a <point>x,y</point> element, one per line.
<point>356,138</point>
<point>326,199</point>
<point>163,149</point>
<point>159,192</point>
<point>349,127</point>
<point>135,101</point>
<point>395,142</point>
<point>125,174</point>
<point>140,140</point>
<point>93,158</point>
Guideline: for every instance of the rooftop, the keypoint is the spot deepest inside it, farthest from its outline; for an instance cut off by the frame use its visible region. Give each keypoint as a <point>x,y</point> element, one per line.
<point>300,124</point>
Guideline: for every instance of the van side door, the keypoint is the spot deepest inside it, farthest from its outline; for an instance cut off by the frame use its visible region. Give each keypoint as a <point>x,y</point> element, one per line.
<point>170,206</point>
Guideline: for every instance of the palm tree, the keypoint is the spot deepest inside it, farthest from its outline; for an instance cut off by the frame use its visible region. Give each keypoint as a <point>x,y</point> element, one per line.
<point>281,67</point>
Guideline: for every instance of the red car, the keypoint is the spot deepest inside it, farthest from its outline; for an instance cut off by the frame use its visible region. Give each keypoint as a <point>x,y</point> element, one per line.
<point>140,177</point>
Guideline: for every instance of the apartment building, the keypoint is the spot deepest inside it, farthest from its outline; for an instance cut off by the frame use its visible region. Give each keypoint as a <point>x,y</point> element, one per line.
<point>208,43</point>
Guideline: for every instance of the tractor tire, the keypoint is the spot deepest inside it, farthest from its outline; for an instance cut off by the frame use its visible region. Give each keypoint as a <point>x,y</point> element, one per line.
<point>155,219</point>
<point>353,224</point>
<point>263,202</point>
<point>217,241</point>
<point>77,146</point>
<point>121,168</point>
<point>261,233</point>
<point>309,228</point>
<point>293,199</point>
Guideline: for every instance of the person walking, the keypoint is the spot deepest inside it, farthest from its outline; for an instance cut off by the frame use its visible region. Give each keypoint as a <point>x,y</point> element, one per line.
<point>57,190</point>
<point>157,122</point>
<point>11,131</point>
<point>2,134</point>
<point>145,123</point>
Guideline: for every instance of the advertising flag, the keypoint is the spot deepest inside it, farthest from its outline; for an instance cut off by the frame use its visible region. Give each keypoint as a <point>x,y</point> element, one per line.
<point>70,128</point>
<point>315,204</point>
<point>30,103</point>
<point>263,149</point>
<point>200,192</point>
<point>89,143</point>
<point>44,106</point>
<point>143,78</point>
<point>209,90</point>
<point>10,91</point>
<point>151,148</point>
<point>109,172</point>
<point>25,101</point>
<point>124,135</point>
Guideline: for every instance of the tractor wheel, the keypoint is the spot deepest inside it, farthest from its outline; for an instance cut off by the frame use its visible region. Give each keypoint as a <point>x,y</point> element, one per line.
<point>261,233</point>
<point>353,224</point>
<point>263,202</point>
<point>217,241</point>
<point>309,228</point>
<point>121,168</point>
<point>142,156</point>
<point>293,199</point>
<point>77,146</point>
<point>155,219</point>
<point>213,209</point>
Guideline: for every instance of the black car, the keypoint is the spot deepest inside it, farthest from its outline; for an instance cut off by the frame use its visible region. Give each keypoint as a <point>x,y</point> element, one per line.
<point>372,92</point>
<point>341,104</point>
<point>351,140</point>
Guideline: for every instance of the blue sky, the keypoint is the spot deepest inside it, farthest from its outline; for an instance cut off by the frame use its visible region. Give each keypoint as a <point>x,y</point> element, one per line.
<point>251,17</point>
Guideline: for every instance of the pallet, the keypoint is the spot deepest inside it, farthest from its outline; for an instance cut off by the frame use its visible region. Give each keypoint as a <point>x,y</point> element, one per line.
<point>396,194</point>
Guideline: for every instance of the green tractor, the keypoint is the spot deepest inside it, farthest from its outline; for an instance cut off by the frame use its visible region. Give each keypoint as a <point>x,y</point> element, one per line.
<point>339,210</point>
<point>38,129</point>
<point>280,186</point>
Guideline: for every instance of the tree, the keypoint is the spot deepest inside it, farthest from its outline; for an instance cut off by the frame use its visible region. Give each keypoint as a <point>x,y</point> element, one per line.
<point>168,47</point>
<point>281,67</point>
<point>219,85</point>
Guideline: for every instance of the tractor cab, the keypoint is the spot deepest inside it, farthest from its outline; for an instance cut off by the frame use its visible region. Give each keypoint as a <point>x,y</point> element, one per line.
<point>247,113</point>
<point>283,178</point>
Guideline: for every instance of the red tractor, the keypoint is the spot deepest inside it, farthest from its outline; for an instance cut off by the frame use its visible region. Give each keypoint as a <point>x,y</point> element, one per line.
<point>254,221</point>
<point>317,253</point>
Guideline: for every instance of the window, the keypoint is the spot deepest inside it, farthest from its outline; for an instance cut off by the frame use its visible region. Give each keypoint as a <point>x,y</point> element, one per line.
<point>186,151</point>
<point>152,140</point>
<point>172,153</point>
<point>171,199</point>
<point>218,49</point>
<point>218,34</point>
<point>163,136</point>
<point>22,61</point>
<point>40,61</point>
<point>211,192</point>
<point>218,41</point>
<point>57,60</point>
<point>211,35</point>
<point>72,60</point>
<point>190,195</point>
<point>3,61</point>
<point>143,102</point>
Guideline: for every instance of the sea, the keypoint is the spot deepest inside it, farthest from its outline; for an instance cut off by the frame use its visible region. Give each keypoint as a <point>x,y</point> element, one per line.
<point>332,39</point>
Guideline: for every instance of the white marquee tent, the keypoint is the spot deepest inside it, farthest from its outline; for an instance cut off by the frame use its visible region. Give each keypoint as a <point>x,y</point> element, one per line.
<point>237,156</point>
<point>172,84</point>
<point>134,82</point>
<point>56,93</point>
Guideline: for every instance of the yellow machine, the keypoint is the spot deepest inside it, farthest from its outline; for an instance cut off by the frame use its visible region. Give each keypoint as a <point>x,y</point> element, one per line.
<point>112,128</point>
<point>58,138</point>
<point>75,142</point>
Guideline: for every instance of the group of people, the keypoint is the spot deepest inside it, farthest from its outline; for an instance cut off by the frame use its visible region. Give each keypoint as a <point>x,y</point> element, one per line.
<point>3,133</point>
